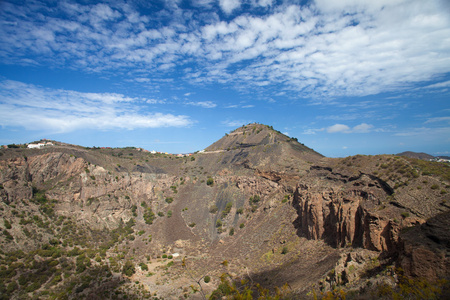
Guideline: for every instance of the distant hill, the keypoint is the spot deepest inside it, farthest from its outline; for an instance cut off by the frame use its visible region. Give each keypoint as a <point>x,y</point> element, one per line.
<point>419,155</point>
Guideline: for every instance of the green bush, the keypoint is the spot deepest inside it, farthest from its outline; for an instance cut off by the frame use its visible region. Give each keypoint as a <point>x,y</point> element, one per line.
<point>219,223</point>
<point>149,216</point>
<point>207,279</point>
<point>169,200</point>
<point>128,268</point>
<point>213,209</point>
<point>143,266</point>
<point>255,199</point>
<point>285,250</point>
<point>227,209</point>
<point>7,235</point>
<point>7,224</point>
<point>210,181</point>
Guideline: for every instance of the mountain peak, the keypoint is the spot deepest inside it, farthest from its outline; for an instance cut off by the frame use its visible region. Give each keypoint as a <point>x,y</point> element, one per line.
<point>251,135</point>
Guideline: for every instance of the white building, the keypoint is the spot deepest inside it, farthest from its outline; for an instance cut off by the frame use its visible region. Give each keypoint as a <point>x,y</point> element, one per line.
<point>39,145</point>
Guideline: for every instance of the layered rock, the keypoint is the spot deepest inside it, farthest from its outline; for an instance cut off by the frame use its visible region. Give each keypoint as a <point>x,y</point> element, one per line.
<point>343,218</point>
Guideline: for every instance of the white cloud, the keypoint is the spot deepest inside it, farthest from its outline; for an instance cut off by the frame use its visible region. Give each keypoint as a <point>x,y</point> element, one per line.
<point>426,133</point>
<point>235,123</point>
<point>438,119</point>
<point>309,131</point>
<point>329,48</point>
<point>362,128</point>
<point>338,128</point>
<point>37,108</point>
<point>341,128</point>
<point>229,5</point>
<point>444,84</point>
<point>204,104</point>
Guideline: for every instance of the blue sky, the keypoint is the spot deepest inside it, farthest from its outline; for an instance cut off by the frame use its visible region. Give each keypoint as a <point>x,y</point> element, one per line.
<point>344,77</point>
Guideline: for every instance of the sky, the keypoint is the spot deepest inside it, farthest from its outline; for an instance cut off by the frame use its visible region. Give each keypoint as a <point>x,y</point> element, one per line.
<point>343,77</point>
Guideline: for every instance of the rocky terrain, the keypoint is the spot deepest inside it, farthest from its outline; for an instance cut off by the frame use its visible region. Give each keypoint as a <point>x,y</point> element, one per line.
<point>256,212</point>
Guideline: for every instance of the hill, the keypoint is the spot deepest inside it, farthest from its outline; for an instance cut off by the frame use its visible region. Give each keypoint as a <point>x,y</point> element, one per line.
<point>419,155</point>
<point>256,205</point>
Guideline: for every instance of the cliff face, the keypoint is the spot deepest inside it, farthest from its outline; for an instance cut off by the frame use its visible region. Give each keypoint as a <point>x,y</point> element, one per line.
<point>346,216</point>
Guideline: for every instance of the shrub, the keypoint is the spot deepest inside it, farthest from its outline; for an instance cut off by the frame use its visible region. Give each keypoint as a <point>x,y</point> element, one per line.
<point>242,225</point>
<point>210,181</point>
<point>285,250</point>
<point>219,223</point>
<point>192,224</point>
<point>149,216</point>
<point>169,200</point>
<point>8,235</point>
<point>128,268</point>
<point>169,213</point>
<point>207,279</point>
<point>133,210</point>
<point>255,199</point>
<point>231,233</point>
<point>434,187</point>
<point>161,214</point>
<point>143,266</point>
<point>227,209</point>
<point>7,224</point>
<point>213,209</point>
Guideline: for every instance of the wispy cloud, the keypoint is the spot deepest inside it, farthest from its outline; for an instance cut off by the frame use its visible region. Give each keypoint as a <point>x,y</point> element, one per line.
<point>328,48</point>
<point>341,128</point>
<point>235,123</point>
<point>204,104</point>
<point>58,111</point>
<point>426,133</point>
<point>438,119</point>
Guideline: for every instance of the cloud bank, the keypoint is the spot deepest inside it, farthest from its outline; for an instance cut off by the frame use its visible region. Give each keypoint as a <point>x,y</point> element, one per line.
<point>323,49</point>
<point>61,111</point>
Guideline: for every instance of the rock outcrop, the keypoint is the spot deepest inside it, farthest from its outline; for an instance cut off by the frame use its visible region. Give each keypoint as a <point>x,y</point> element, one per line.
<point>349,211</point>
<point>425,249</point>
